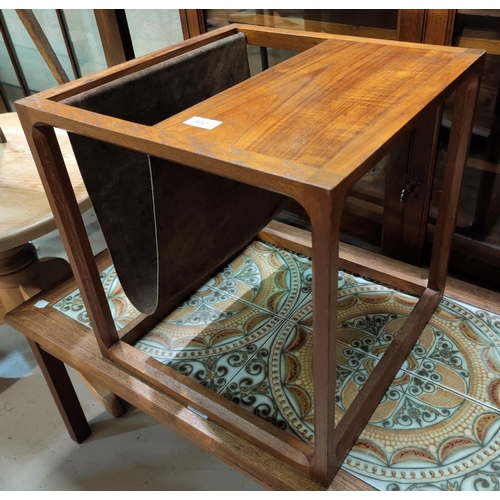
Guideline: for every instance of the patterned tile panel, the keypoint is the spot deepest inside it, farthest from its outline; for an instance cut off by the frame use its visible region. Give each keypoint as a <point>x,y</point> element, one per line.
<point>121,309</point>
<point>430,439</point>
<point>210,337</point>
<point>247,334</point>
<point>268,277</point>
<point>266,384</point>
<point>457,349</point>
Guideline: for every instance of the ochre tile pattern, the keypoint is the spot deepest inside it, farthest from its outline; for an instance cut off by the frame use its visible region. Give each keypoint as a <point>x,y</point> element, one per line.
<point>247,334</point>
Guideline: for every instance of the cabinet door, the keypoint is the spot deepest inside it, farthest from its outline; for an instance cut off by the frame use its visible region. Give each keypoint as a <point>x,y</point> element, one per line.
<point>476,243</point>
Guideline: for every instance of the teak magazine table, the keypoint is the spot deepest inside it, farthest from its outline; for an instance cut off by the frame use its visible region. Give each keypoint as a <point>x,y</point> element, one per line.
<point>308,128</point>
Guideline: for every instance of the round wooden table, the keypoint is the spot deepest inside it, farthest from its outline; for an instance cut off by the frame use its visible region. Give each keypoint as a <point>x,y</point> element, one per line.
<point>25,215</point>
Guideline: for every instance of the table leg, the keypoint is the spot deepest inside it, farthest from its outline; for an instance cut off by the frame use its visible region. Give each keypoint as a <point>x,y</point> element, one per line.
<point>63,392</point>
<point>458,149</point>
<point>325,213</point>
<point>23,275</point>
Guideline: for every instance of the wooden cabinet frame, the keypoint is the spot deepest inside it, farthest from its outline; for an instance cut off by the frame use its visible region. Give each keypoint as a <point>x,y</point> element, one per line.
<point>193,22</point>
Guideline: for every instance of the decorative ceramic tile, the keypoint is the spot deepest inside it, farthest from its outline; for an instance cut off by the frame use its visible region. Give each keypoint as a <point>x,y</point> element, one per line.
<point>268,277</point>
<point>121,309</point>
<point>304,313</point>
<point>457,349</point>
<point>277,384</point>
<point>259,387</point>
<point>432,439</point>
<point>209,337</point>
<point>247,334</point>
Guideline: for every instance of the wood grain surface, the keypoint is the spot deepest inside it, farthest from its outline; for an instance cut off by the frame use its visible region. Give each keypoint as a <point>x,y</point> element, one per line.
<point>25,213</point>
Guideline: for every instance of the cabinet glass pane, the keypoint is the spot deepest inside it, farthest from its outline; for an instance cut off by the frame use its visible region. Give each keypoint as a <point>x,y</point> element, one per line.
<point>37,74</point>
<point>52,30</point>
<point>8,79</point>
<point>375,23</point>
<point>153,29</point>
<point>368,23</point>
<point>85,39</point>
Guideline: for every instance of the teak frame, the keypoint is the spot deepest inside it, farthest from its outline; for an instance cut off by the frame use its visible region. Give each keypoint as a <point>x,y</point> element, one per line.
<point>320,188</point>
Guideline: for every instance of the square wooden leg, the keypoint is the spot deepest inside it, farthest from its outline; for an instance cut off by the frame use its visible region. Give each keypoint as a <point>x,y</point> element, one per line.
<point>325,215</point>
<point>458,149</point>
<point>63,392</point>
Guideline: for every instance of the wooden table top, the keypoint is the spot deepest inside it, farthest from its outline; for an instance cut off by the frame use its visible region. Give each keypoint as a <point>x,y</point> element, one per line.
<point>25,213</point>
<point>320,119</point>
<point>330,108</point>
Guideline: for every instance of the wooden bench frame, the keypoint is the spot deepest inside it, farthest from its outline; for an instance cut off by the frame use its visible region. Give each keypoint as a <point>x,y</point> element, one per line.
<point>321,192</point>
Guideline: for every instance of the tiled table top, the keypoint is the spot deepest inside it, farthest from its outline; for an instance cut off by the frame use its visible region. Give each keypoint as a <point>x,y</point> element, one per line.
<point>247,334</point>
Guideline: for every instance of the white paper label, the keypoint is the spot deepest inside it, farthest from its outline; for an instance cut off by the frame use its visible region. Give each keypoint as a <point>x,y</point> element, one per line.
<point>41,304</point>
<point>206,123</point>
